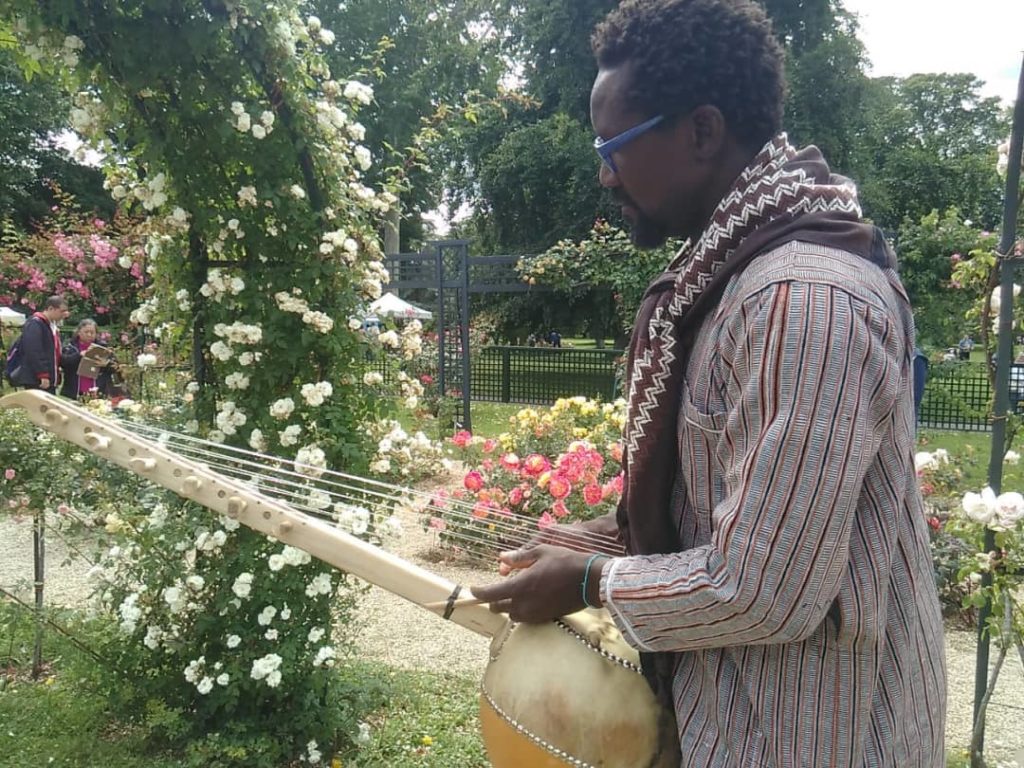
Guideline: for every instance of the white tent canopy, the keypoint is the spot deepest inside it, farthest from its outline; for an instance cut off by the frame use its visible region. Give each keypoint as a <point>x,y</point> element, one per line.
<point>9,316</point>
<point>390,305</point>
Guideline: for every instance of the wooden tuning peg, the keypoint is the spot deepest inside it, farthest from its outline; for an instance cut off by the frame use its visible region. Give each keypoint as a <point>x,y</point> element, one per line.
<point>236,506</point>
<point>97,443</point>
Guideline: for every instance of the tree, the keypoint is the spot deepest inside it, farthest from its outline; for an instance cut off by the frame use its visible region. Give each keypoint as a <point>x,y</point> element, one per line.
<point>551,42</point>
<point>605,270</point>
<point>929,143</point>
<point>425,59</point>
<point>825,92</point>
<point>930,250</point>
<point>34,112</point>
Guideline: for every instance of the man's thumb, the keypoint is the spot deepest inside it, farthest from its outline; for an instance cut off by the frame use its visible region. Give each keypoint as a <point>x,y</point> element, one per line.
<point>519,558</point>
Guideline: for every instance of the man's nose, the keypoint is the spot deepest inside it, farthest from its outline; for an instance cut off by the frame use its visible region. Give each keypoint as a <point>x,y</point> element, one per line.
<point>606,177</point>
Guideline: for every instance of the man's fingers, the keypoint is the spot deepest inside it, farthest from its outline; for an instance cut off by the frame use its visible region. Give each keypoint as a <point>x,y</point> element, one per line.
<point>520,558</point>
<point>493,593</point>
<point>501,606</point>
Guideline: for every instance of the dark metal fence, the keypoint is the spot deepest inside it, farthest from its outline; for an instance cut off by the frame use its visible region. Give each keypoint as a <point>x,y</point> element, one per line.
<point>542,374</point>
<point>535,375</point>
<point>957,396</point>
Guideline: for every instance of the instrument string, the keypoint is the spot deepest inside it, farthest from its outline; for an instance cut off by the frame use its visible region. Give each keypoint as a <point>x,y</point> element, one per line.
<point>262,470</point>
<point>482,545</point>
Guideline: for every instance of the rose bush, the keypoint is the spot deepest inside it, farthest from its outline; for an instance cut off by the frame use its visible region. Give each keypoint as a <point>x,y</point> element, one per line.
<point>97,265</point>
<point>222,125</point>
<point>560,466</point>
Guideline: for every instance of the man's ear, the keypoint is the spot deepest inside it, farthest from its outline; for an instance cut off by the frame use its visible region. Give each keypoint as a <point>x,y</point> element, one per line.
<point>708,131</point>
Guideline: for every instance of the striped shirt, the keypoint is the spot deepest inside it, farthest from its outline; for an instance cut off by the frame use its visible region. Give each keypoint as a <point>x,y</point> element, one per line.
<point>803,608</point>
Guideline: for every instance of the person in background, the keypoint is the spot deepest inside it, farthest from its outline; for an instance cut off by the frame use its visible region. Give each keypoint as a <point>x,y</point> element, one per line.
<point>966,346</point>
<point>920,378</point>
<point>555,339</point>
<point>1016,382</point>
<point>40,345</point>
<point>75,386</point>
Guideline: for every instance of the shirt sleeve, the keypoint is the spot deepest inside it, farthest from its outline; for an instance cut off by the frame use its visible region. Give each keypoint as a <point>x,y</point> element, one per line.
<point>812,376</point>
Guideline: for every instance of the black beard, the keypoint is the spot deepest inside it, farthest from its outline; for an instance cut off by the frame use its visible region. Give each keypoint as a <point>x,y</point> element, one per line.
<point>647,234</point>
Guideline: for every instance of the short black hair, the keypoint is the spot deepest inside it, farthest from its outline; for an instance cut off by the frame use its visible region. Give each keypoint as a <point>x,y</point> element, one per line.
<point>687,53</point>
<point>55,302</point>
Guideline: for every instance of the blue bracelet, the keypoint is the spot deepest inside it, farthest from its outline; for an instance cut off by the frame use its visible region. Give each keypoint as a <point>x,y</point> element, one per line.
<point>586,577</point>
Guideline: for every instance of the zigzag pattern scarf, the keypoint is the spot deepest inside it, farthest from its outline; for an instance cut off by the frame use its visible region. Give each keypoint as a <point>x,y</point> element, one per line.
<point>783,195</point>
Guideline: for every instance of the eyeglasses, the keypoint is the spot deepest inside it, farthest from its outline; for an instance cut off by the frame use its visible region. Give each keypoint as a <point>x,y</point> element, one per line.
<point>608,148</point>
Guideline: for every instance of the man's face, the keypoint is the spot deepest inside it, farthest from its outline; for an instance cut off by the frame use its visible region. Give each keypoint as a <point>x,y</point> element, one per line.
<point>655,180</point>
<point>56,314</point>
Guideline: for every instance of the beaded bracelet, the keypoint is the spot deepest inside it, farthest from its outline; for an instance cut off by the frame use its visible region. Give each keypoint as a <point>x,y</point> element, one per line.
<point>586,577</point>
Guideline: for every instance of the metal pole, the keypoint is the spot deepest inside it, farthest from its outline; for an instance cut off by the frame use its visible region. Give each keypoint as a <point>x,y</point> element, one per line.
<point>39,553</point>
<point>442,378</point>
<point>1006,268</point>
<point>467,421</point>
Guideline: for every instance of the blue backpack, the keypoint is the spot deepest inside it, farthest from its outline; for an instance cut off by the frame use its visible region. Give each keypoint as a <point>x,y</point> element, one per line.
<point>13,360</point>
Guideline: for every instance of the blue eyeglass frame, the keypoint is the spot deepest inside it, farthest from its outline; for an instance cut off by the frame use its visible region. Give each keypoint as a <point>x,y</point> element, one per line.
<point>605,149</point>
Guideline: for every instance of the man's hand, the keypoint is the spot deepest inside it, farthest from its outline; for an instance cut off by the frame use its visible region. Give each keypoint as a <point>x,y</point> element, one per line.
<point>548,584</point>
<point>598,535</point>
<point>44,383</point>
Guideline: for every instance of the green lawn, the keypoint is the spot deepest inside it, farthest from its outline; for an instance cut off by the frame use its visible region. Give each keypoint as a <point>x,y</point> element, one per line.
<point>971,451</point>
<point>428,721</point>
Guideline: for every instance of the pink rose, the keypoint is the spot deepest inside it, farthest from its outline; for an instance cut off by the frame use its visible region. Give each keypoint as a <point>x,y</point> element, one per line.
<point>490,444</point>
<point>462,438</point>
<point>559,487</point>
<point>545,521</point>
<point>559,509</point>
<point>510,461</point>
<point>9,473</point>
<point>593,494</point>
<point>473,481</point>
<point>535,464</point>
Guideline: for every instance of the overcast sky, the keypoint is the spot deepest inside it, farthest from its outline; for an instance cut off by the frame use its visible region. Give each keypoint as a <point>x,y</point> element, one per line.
<point>984,37</point>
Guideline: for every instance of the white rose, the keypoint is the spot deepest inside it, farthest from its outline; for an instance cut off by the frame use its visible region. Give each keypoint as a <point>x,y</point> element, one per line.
<point>259,132</point>
<point>1009,509</point>
<point>243,585</point>
<point>282,409</point>
<point>980,507</point>
<point>363,157</point>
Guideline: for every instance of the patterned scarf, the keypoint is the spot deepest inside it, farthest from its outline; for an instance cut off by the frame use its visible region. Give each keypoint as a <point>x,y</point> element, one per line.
<point>783,195</point>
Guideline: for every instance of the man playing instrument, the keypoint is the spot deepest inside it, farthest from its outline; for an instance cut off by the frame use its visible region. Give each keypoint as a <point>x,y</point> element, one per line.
<point>776,574</point>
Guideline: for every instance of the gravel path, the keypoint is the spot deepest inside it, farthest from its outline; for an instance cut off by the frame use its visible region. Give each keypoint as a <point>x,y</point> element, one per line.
<point>406,636</point>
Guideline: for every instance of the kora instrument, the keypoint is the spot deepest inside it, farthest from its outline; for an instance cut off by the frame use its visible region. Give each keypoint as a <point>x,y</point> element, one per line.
<point>563,693</point>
